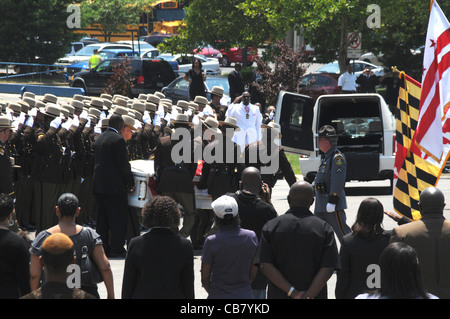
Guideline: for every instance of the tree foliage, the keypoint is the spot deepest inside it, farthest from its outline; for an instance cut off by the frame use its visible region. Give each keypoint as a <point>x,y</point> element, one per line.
<point>222,24</point>
<point>34,31</point>
<point>112,16</point>
<point>288,67</point>
<point>121,81</point>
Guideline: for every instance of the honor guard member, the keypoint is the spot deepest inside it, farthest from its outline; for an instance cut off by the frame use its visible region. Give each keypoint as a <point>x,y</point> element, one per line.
<point>46,172</point>
<point>330,182</point>
<point>6,182</point>
<point>174,176</point>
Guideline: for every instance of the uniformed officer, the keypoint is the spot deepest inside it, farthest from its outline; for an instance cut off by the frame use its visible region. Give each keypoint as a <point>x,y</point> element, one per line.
<point>330,182</point>
<point>6,181</point>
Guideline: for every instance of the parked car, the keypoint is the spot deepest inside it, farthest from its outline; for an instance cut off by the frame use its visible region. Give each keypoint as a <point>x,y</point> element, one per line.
<point>85,53</point>
<point>358,68</point>
<point>209,52</point>
<point>234,55</point>
<point>210,66</point>
<point>74,48</point>
<point>372,58</point>
<point>179,89</point>
<point>140,46</point>
<point>150,53</point>
<point>105,54</point>
<point>156,38</point>
<point>317,84</point>
<point>363,121</point>
<point>149,76</point>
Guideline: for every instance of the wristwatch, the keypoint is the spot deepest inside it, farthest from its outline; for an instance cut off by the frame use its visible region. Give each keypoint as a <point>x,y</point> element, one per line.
<point>291,291</point>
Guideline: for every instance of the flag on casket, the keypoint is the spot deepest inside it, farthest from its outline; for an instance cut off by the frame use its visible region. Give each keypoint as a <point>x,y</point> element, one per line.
<point>422,120</point>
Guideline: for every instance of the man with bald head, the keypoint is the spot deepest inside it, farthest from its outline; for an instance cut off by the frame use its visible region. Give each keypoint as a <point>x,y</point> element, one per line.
<point>253,213</point>
<point>298,251</point>
<point>430,237</point>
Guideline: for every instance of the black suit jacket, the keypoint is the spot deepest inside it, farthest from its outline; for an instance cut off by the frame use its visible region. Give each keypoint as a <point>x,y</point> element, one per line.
<point>236,84</point>
<point>112,170</point>
<point>159,264</point>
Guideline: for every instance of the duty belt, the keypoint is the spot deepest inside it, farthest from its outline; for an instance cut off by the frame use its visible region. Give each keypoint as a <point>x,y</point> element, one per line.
<point>321,187</point>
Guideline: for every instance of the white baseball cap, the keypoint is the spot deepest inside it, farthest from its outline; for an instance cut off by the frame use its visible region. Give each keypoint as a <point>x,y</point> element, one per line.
<point>225,205</point>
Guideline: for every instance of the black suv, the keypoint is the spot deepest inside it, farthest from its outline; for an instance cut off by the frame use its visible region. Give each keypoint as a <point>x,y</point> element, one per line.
<point>149,76</point>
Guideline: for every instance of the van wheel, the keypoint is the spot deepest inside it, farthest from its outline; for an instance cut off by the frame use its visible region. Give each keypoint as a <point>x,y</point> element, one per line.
<point>79,84</point>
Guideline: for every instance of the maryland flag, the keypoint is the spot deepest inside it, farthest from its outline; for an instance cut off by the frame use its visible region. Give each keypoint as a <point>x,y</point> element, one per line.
<point>422,120</point>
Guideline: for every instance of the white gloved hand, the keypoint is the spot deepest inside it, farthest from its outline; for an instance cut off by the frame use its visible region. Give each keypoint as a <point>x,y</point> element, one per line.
<point>21,118</point>
<point>157,120</point>
<point>56,123</point>
<point>97,129</point>
<point>137,124</point>
<point>75,121</point>
<point>33,112</point>
<point>67,124</point>
<point>331,207</point>
<point>146,117</point>
<point>84,115</point>
<point>30,121</point>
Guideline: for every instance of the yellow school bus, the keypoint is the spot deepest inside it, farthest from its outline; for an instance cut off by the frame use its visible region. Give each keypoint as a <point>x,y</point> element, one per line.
<point>163,17</point>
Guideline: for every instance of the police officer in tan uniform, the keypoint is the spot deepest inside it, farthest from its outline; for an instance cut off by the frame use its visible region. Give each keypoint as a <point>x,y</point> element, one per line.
<point>329,184</point>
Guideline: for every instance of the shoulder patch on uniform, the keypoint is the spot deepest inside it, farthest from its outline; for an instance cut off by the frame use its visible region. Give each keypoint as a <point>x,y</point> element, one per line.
<point>339,160</point>
<point>40,136</point>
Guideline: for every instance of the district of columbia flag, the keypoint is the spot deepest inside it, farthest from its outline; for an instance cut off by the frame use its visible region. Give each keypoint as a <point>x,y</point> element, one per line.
<point>423,140</point>
<point>435,95</point>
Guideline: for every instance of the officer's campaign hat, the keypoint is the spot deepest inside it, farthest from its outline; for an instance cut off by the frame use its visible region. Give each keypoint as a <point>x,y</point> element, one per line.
<point>327,131</point>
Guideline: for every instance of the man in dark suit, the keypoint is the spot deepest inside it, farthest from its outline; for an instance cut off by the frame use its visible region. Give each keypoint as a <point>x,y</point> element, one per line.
<point>113,179</point>
<point>174,174</point>
<point>430,237</point>
<point>235,82</point>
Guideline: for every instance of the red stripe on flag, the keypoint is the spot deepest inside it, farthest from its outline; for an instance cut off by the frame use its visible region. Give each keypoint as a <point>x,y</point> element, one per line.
<point>427,118</point>
<point>442,41</point>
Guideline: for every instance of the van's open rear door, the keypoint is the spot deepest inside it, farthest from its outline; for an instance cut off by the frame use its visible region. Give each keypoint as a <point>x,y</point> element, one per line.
<point>295,115</point>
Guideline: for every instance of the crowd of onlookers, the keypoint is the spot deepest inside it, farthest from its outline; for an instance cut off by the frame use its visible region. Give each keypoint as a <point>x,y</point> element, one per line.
<point>254,253</point>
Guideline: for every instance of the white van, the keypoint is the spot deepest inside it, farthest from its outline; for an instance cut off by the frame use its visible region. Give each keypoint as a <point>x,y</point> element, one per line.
<point>363,121</point>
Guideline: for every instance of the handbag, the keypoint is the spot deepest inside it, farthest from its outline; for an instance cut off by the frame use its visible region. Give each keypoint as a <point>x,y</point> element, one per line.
<point>90,274</point>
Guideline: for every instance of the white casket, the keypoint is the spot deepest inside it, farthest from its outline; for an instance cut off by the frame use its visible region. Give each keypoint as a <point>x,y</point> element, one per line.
<point>142,171</point>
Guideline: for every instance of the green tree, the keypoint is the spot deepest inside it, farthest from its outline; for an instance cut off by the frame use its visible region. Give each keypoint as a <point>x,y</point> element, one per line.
<point>34,31</point>
<point>222,24</point>
<point>112,16</point>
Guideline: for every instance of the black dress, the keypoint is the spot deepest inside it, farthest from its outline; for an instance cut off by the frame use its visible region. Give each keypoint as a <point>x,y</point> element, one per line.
<point>197,87</point>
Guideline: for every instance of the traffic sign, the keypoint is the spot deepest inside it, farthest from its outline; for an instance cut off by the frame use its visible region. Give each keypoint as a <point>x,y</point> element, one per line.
<point>354,48</point>
<point>355,40</point>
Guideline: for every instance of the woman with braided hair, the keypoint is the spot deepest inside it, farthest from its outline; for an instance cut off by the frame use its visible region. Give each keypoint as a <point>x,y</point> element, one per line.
<point>160,263</point>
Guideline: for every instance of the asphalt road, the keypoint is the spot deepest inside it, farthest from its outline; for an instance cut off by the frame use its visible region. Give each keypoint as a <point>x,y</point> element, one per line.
<point>356,192</point>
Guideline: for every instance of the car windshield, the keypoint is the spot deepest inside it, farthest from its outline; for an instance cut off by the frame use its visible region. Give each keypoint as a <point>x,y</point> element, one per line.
<point>88,50</point>
<point>330,68</point>
<point>166,57</point>
<point>315,81</point>
<point>222,82</point>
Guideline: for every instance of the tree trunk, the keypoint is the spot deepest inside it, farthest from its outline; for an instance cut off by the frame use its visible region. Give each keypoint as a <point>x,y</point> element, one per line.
<point>244,57</point>
<point>343,45</point>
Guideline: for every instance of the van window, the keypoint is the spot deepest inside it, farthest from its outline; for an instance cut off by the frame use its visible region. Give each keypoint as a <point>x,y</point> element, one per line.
<point>357,121</point>
<point>296,116</point>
